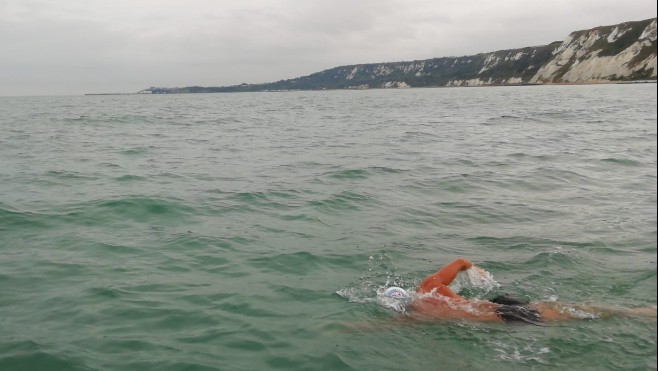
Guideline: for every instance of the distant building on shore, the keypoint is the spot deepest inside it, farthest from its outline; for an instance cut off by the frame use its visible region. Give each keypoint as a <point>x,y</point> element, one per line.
<point>155,90</point>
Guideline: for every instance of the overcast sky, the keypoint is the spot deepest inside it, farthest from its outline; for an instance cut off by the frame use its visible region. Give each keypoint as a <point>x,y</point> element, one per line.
<point>90,46</point>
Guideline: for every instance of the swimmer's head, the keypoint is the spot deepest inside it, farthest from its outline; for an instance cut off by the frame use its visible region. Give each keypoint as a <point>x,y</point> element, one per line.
<point>396,293</point>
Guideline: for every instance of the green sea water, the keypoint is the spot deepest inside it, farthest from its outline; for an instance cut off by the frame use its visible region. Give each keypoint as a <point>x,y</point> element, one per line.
<point>254,231</point>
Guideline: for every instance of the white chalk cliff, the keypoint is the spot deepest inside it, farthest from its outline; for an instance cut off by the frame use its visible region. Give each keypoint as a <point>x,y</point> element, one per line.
<point>582,56</point>
<point>622,52</point>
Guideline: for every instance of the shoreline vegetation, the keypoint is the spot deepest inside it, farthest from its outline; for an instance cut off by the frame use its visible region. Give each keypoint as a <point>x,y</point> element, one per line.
<point>616,54</point>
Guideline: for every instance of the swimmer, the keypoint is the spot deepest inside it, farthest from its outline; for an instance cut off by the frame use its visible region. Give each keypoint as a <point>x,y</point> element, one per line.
<point>435,300</point>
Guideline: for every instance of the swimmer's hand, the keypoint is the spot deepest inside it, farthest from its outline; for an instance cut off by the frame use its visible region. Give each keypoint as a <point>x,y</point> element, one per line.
<point>466,264</point>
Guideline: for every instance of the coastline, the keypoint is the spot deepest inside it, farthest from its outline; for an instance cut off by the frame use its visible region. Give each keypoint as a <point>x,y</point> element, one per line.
<point>174,90</point>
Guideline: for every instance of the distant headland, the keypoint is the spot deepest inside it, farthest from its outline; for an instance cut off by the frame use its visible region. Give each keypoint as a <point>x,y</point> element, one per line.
<point>625,52</point>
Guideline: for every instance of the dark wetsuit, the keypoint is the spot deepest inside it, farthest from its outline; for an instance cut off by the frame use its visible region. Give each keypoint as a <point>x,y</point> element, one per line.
<point>515,310</point>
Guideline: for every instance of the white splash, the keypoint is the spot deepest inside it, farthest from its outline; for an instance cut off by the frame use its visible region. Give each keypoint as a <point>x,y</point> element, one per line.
<point>475,278</point>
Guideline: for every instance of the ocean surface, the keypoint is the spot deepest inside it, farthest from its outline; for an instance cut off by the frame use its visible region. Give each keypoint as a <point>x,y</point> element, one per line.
<point>256,231</point>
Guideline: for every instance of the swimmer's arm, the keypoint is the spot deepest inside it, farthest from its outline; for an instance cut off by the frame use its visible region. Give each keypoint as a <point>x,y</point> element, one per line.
<point>445,276</point>
<point>448,273</point>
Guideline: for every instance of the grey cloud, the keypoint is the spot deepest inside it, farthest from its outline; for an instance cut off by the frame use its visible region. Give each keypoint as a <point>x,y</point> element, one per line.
<point>76,46</point>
